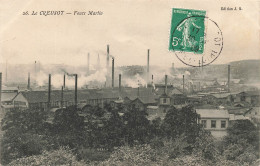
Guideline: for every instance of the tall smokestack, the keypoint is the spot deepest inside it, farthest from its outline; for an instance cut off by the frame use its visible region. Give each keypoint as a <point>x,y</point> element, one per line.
<point>29,82</point>
<point>49,92</point>
<point>183,84</point>
<point>0,91</point>
<point>107,67</point>
<point>113,72</point>
<point>76,89</point>
<point>165,90</point>
<point>64,81</point>
<point>148,65</point>
<point>228,78</point>
<point>119,86</point>
<point>88,64</point>
<point>107,56</point>
<point>61,102</point>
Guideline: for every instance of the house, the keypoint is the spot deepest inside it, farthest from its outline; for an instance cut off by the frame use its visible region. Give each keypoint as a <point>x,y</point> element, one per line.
<point>214,120</point>
<point>138,104</point>
<point>177,97</point>
<point>164,100</point>
<point>7,100</point>
<point>222,98</point>
<point>254,115</point>
<point>7,96</point>
<point>194,99</point>
<point>251,97</point>
<point>208,99</point>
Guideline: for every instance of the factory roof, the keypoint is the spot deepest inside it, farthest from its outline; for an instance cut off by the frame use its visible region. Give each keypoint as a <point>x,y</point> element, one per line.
<point>170,91</point>
<point>212,113</point>
<point>8,96</point>
<point>175,91</point>
<point>146,100</point>
<point>220,95</point>
<point>5,88</point>
<point>42,96</point>
<point>133,93</point>
<point>205,106</point>
<point>145,94</point>
<point>251,93</point>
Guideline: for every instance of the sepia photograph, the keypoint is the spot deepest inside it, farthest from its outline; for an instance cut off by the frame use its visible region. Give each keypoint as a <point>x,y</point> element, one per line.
<point>129,83</point>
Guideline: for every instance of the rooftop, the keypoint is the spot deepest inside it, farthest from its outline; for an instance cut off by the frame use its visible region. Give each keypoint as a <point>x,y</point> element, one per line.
<point>8,96</point>
<point>145,94</point>
<point>213,113</point>
<point>221,95</point>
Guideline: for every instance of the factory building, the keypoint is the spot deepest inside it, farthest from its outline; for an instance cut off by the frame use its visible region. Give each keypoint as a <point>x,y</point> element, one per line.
<point>94,97</point>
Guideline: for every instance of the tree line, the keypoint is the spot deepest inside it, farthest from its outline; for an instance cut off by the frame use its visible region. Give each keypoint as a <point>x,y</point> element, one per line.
<point>95,134</point>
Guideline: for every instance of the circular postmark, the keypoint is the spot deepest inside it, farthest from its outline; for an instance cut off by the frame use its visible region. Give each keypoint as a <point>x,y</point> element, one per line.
<point>197,41</point>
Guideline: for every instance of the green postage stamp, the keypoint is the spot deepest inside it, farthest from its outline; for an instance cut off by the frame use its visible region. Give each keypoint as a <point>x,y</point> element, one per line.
<point>187,30</point>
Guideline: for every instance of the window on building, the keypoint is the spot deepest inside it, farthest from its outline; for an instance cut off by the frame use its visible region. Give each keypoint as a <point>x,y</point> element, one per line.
<point>213,124</point>
<point>204,123</point>
<point>223,124</point>
<point>164,101</point>
<point>255,113</point>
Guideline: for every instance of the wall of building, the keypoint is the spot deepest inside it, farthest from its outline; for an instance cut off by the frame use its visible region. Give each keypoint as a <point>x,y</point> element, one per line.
<point>217,132</point>
<point>165,101</point>
<point>20,99</point>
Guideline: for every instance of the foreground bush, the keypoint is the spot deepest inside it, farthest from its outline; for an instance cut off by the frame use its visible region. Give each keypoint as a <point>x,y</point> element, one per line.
<point>137,155</point>
<point>173,153</point>
<point>63,156</point>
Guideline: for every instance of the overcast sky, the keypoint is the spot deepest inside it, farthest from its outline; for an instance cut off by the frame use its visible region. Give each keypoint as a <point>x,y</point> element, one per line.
<point>130,28</point>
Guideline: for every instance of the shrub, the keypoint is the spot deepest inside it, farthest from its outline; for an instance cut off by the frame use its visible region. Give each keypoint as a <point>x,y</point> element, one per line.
<point>63,156</point>
<point>93,154</point>
<point>136,155</point>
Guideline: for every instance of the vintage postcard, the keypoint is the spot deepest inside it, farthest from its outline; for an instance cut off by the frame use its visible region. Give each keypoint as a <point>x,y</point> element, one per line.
<point>120,82</point>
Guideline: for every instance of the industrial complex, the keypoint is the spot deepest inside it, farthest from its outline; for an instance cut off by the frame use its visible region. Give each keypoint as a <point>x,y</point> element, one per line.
<point>218,101</point>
